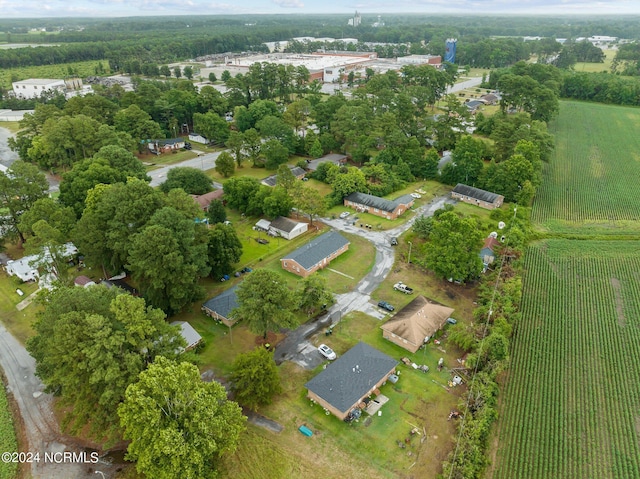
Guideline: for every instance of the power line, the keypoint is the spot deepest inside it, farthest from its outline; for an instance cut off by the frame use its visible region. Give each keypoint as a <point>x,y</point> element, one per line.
<point>484,331</point>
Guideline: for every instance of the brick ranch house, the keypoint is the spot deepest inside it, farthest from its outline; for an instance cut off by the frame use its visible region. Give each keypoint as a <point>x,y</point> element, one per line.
<point>316,254</point>
<point>364,203</point>
<point>476,196</point>
<point>221,306</point>
<point>346,382</point>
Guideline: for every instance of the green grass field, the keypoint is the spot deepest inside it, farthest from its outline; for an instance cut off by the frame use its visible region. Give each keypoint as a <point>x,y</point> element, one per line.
<point>609,55</point>
<point>8,441</point>
<point>590,184</point>
<point>571,407</point>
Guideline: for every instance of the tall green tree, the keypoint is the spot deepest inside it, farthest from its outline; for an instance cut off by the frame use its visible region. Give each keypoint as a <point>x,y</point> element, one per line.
<point>58,216</point>
<point>216,212</point>
<point>453,248</point>
<point>191,180</point>
<point>90,344</point>
<point>224,249</point>
<point>235,143</point>
<point>20,187</point>
<point>168,257</point>
<point>139,124</point>
<point>178,425</point>
<point>255,378</point>
<point>112,164</point>
<point>265,302</point>
<point>313,294</point>
<point>225,164</point>
<point>112,216</point>
<point>210,125</point>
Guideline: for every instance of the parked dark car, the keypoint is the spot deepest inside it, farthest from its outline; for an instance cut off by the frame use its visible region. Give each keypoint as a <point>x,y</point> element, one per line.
<point>385,305</point>
<point>187,145</point>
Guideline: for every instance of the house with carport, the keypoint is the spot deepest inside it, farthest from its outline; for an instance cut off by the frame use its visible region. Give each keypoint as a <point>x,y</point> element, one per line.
<point>346,382</point>
<point>316,254</point>
<point>414,324</point>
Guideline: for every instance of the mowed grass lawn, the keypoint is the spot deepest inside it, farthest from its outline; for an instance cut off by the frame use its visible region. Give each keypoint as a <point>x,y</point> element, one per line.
<point>369,447</point>
<point>591,180</point>
<point>570,406</point>
<point>19,323</point>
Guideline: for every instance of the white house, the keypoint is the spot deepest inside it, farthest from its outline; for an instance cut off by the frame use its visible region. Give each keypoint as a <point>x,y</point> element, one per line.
<point>287,228</point>
<point>26,268</point>
<point>198,138</point>
<point>189,334</point>
<point>35,87</point>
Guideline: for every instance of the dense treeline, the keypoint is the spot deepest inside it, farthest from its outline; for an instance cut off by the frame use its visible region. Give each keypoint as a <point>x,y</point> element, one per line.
<point>398,28</point>
<point>602,88</point>
<point>156,41</point>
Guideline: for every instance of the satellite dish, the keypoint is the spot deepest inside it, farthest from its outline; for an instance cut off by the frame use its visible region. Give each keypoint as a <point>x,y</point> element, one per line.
<point>501,225</point>
<point>502,238</point>
<point>493,235</point>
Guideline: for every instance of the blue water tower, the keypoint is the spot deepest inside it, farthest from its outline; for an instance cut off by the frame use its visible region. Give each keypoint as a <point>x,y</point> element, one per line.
<point>450,50</point>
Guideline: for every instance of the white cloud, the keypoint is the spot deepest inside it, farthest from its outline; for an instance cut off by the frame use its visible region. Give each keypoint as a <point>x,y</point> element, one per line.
<point>289,3</point>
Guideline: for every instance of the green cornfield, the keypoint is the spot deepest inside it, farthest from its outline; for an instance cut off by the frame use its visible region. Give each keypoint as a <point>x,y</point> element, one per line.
<point>592,178</point>
<point>571,406</point>
<point>571,401</point>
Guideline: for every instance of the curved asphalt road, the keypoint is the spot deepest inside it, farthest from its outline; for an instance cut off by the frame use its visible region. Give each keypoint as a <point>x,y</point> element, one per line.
<point>296,346</point>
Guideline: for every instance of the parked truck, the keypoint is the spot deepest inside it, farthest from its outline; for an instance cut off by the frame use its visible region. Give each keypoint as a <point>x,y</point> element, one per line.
<point>400,286</point>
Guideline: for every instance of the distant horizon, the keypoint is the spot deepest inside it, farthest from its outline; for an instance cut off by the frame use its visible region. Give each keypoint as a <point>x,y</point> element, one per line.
<point>97,9</point>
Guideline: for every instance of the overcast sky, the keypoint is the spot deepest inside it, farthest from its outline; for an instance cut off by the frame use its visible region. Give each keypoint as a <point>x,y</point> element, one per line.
<point>111,8</point>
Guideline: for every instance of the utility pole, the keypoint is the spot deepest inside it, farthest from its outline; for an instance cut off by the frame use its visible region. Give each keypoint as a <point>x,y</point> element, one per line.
<point>409,257</point>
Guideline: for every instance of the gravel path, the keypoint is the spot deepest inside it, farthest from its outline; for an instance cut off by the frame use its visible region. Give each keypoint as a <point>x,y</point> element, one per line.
<point>40,426</point>
<point>296,346</point>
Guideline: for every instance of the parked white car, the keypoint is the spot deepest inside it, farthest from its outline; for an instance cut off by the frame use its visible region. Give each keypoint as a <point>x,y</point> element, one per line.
<point>344,215</point>
<point>417,196</point>
<point>327,352</point>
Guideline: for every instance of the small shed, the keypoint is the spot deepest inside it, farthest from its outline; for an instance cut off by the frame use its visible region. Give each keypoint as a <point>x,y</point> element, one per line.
<point>487,253</point>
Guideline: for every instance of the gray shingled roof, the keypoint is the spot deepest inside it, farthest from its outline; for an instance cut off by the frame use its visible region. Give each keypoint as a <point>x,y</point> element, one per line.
<point>318,249</point>
<point>379,203</point>
<point>284,224</point>
<point>273,179</point>
<point>334,158</point>
<point>345,381</point>
<point>224,303</point>
<point>475,193</point>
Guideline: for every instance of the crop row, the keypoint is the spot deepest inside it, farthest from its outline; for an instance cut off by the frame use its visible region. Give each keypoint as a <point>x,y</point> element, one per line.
<point>571,406</point>
<point>593,173</point>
